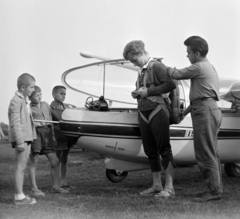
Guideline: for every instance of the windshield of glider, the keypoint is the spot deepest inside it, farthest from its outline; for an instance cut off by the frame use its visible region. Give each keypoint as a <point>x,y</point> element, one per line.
<point>112,79</point>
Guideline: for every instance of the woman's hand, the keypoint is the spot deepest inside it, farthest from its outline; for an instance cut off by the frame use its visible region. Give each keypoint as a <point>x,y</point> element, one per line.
<point>143,92</point>
<point>135,94</point>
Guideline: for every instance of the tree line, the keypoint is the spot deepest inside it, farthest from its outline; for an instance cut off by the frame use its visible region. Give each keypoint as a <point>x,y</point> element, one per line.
<point>4,128</point>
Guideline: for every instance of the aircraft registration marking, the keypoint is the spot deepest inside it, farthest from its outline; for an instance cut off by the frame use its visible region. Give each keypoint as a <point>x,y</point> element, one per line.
<point>189,133</point>
<point>115,147</point>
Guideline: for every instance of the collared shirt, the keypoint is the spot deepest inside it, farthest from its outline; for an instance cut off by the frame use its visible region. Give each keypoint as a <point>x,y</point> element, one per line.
<point>142,72</point>
<point>204,79</point>
<point>21,126</point>
<point>26,101</point>
<point>57,110</point>
<point>158,83</point>
<point>146,65</point>
<point>41,112</point>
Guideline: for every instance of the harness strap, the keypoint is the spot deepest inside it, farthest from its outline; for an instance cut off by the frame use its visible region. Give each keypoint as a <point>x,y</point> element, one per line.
<point>166,110</point>
<point>144,118</point>
<point>154,112</point>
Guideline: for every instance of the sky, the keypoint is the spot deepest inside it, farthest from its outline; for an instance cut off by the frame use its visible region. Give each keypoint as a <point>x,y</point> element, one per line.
<point>44,37</point>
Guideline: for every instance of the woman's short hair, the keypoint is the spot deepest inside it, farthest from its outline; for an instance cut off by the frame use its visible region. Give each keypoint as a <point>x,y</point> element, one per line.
<point>24,79</point>
<point>197,44</point>
<point>56,88</point>
<point>135,47</point>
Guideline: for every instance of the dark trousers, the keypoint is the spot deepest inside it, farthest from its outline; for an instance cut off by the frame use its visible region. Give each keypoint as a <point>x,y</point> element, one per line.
<point>207,117</point>
<point>156,140</point>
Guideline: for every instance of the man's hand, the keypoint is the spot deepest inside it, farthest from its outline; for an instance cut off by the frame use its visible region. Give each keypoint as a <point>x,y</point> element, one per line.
<point>143,92</point>
<point>54,141</point>
<point>181,117</point>
<point>20,147</point>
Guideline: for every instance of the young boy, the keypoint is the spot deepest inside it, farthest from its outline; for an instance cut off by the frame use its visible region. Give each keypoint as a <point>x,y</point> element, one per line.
<point>21,133</point>
<point>63,146</point>
<point>44,144</point>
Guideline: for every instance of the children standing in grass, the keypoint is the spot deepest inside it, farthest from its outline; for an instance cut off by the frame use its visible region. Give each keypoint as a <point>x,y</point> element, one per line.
<point>21,133</point>
<point>63,146</point>
<point>44,144</point>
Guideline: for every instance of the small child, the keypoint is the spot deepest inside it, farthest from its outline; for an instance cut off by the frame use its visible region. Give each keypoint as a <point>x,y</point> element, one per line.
<point>21,133</point>
<point>44,144</point>
<point>63,146</point>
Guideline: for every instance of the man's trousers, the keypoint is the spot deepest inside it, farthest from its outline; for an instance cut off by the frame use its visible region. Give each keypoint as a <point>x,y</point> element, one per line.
<point>206,118</point>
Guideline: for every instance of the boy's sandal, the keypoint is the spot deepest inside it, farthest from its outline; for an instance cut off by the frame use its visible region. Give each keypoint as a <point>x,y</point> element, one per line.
<point>165,193</point>
<point>59,191</point>
<point>150,191</point>
<point>68,187</point>
<point>37,193</point>
<point>26,201</point>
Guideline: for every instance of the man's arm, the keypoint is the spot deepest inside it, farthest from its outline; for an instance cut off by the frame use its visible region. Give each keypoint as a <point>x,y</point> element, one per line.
<point>184,73</point>
<point>188,110</point>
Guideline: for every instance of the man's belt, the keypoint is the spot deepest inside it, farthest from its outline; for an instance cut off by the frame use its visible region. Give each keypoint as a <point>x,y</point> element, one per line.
<point>202,99</point>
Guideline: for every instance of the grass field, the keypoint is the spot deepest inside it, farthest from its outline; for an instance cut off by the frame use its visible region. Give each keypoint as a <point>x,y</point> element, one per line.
<point>96,197</point>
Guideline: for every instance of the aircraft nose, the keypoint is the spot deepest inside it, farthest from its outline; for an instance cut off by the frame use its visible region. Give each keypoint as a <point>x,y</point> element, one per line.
<point>233,94</point>
<point>235,89</point>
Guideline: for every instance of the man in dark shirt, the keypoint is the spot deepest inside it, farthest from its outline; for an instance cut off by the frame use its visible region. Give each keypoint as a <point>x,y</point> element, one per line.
<point>152,85</point>
<point>206,115</point>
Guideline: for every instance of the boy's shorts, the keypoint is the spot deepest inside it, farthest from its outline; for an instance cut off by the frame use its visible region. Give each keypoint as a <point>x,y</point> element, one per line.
<point>61,146</point>
<point>62,143</point>
<point>44,143</point>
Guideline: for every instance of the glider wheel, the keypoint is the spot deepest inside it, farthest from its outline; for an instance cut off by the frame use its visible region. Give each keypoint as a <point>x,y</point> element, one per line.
<point>116,176</point>
<point>232,169</point>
